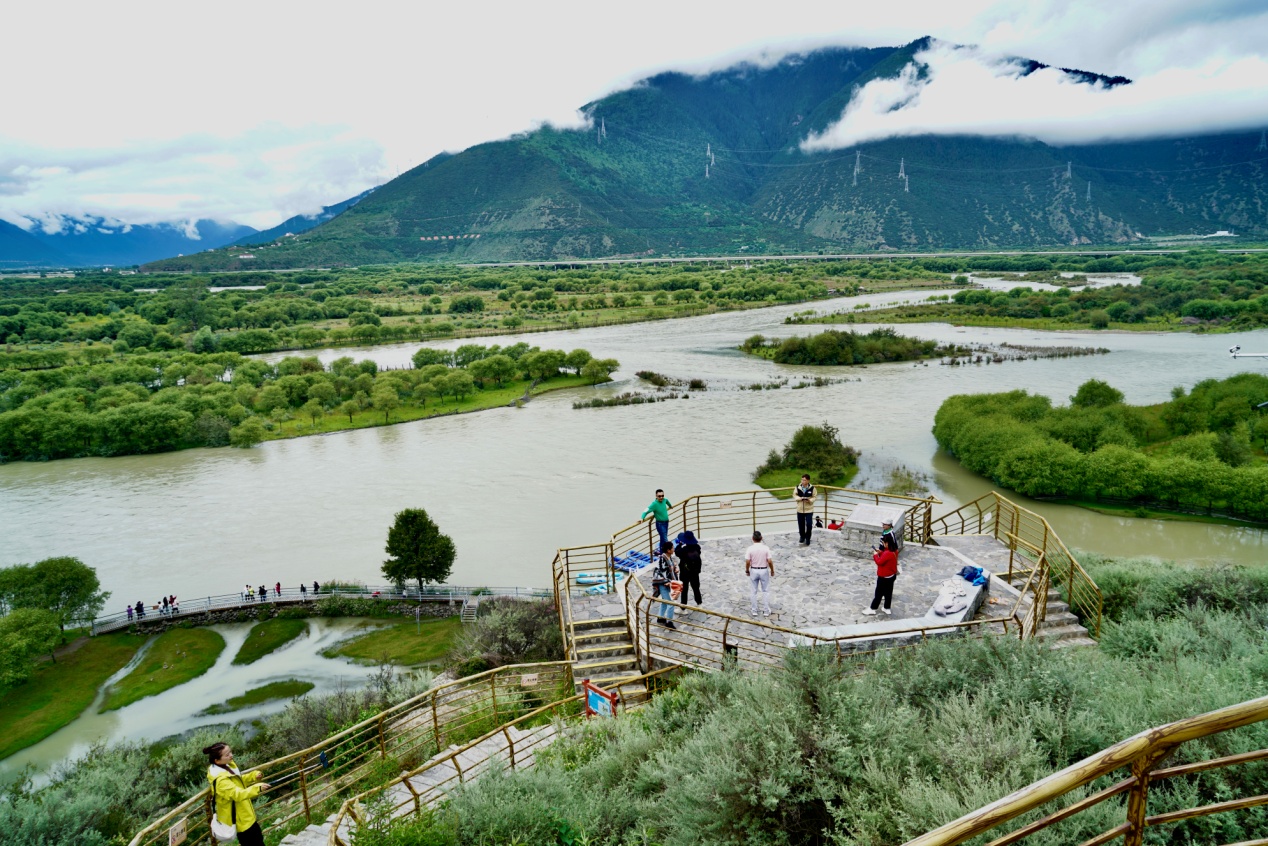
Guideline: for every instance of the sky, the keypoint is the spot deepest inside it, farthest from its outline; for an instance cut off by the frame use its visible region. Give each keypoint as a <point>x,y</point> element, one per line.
<point>139,112</point>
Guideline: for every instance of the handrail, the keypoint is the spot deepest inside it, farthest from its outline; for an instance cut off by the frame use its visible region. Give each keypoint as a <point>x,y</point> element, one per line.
<point>349,806</point>
<point>291,596</point>
<point>1142,752</point>
<point>988,512</point>
<point>338,766</point>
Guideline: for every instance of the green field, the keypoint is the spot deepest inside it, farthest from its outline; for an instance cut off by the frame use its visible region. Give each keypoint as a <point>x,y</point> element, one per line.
<point>288,689</point>
<point>401,643</point>
<point>177,656</point>
<point>267,637</point>
<point>772,479</point>
<point>58,693</point>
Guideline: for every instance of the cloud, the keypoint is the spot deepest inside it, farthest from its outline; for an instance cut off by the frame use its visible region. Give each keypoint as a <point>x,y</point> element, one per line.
<point>952,90</point>
<point>255,177</point>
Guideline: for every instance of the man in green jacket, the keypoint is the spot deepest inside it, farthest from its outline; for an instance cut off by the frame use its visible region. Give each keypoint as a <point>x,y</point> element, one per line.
<point>660,510</point>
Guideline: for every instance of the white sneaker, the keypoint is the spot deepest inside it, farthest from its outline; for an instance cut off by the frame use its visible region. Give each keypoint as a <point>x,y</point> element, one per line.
<point>869,612</point>
<point>887,612</point>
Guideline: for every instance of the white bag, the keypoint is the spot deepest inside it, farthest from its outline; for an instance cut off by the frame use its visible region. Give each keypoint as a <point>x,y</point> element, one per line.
<point>223,832</point>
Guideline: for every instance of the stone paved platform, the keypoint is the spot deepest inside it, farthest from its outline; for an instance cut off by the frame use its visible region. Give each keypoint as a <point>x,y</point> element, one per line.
<point>819,585</point>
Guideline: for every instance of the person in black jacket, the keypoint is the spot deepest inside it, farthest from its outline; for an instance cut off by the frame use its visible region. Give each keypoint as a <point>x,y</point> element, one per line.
<point>689,565</point>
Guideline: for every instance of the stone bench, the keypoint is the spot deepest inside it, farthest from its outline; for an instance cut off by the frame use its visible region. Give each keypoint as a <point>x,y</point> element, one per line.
<point>862,528</point>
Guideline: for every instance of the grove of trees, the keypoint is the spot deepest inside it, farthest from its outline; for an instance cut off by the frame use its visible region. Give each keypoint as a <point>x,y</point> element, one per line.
<point>1201,451</point>
<point>37,602</point>
<point>841,348</point>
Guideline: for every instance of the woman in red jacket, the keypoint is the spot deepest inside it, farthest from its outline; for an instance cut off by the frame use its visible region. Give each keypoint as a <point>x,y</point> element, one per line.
<point>886,572</point>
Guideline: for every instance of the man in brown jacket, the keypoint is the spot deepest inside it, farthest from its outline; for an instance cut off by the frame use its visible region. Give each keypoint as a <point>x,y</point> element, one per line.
<point>805,496</point>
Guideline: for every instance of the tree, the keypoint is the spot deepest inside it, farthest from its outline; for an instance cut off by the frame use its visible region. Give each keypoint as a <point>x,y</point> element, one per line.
<point>1096,394</point>
<point>314,409</point>
<point>349,408</point>
<point>247,434</point>
<point>25,635</point>
<point>65,587</point>
<point>419,550</point>
<point>599,370</point>
<point>386,400</point>
<point>577,359</point>
<point>467,303</point>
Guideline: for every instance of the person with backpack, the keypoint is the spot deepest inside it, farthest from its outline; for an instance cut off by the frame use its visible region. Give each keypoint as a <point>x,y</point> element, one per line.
<point>233,791</point>
<point>689,566</point>
<point>664,573</point>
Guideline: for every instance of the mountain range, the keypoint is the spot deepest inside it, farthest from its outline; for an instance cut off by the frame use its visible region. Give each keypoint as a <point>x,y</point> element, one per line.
<point>95,242</point>
<point>683,164</point>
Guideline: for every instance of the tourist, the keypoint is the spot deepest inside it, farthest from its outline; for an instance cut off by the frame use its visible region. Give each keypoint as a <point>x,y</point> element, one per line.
<point>264,594</point>
<point>250,594</point>
<point>303,591</point>
<point>129,613</point>
<point>664,573</point>
<point>836,524</point>
<point>277,590</point>
<point>234,791</point>
<point>887,536</point>
<point>659,509</point>
<point>163,607</point>
<point>805,495</point>
<point>246,593</point>
<point>316,587</point>
<point>818,522</point>
<point>688,552</point>
<point>886,572</point>
<point>140,610</point>
<point>759,567</point>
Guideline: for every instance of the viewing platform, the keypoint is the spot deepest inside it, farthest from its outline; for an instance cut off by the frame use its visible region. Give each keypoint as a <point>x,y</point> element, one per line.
<point>1032,586</point>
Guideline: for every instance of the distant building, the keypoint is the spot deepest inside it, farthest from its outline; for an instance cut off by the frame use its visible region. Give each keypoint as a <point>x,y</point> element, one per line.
<point>1222,233</point>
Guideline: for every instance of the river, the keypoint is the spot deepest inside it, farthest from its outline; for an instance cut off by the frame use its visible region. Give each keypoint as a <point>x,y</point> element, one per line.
<point>512,485</point>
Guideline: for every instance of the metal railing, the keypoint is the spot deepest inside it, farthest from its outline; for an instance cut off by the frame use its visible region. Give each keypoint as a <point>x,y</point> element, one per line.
<point>430,783</point>
<point>1141,755</point>
<point>304,782</point>
<point>187,609</point>
<point>1026,533</point>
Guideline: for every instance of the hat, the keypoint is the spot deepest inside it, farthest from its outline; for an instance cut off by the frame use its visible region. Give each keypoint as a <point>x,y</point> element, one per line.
<point>685,538</point>
<point>887,523</point>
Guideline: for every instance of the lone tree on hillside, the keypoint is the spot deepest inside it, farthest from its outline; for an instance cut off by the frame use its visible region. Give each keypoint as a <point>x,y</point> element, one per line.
<point>419,550</point>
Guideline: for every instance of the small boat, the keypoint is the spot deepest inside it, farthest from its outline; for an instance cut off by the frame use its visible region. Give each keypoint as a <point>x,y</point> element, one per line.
<point>596,578</point>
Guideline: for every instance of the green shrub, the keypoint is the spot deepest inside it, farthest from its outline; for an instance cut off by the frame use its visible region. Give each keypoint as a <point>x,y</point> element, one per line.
<point>508,631</point>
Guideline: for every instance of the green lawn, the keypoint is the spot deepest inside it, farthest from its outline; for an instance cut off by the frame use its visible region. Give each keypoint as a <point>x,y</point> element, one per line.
<point>288,689</point>
<point>177,656</point>
<point>303,425</point>
<point>58,693</point>
<point>401,644</point>
<point>792,478</point>
<point>269,636</point>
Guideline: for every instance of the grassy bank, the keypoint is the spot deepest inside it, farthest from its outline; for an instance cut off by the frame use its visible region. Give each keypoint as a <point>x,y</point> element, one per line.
<point>370,417</point>
<point>406,644</point>
<point>177,656</point>
<point>288,689</point>
<point>269,636</point>
<point>791,478</point>
<point>58,693</point>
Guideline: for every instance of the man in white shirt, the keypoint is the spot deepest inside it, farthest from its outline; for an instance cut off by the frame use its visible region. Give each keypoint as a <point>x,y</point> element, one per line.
<point>759,567</point>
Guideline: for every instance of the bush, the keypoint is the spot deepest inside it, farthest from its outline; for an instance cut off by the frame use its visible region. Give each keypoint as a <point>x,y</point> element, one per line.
<point>508,631</point>
<point>815,450</point>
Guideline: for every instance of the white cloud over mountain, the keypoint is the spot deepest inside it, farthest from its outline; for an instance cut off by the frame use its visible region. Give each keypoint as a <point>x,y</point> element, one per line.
<point>145,110</point>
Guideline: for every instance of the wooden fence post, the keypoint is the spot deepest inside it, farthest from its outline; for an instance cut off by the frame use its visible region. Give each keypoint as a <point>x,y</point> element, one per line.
<point>303,787</point>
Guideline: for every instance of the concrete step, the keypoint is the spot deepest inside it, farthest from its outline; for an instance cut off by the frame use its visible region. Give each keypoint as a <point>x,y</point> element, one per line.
<point>612,634</point>
<point>590,668</point>
<point>1071,642</point>
<point>600,623</point>
<point>1062,632</point>
<point>607,649</point>
<point>1055,619</point>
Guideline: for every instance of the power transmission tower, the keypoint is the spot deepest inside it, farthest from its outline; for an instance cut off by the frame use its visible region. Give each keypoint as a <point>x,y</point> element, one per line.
<point>708,150</point>
<point>706,171</point>
<point>1089,190</point>
<point>1069,174</point>
<point>603,129</point>
<point>1263,142</point>
<point>857,156</point>
<point>902,168</point>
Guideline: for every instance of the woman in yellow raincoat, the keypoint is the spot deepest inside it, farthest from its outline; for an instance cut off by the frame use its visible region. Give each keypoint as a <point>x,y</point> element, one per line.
<point>234,791</point>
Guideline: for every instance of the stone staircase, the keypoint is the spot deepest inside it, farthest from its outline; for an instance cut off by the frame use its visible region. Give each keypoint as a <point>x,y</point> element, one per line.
<point>435,782</point>
<point>605,656</point>
<point>1061,628</point>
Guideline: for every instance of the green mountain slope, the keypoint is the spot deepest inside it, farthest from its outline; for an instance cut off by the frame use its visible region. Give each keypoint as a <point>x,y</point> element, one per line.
<point>686,165</point>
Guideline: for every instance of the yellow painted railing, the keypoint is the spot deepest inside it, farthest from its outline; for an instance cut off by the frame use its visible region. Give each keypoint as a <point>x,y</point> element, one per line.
<point>430,783</point>
<point>304,782</point>
<point>1026,534</point>
<point>1140,756</point>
